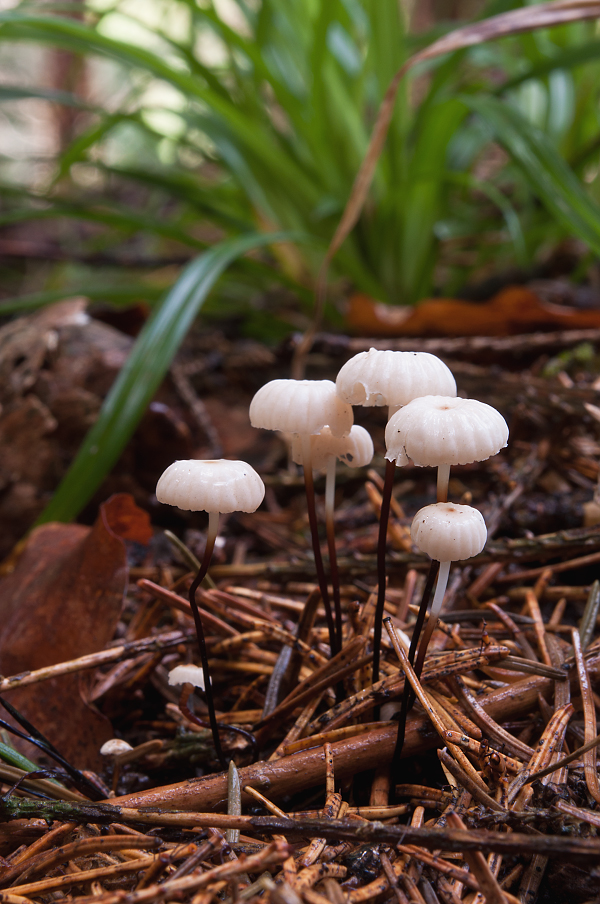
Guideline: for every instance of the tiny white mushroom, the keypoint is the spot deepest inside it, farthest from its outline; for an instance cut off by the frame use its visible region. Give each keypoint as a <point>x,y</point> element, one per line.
<point>383,377</point>
<point>300,406</point>
<point>448,533</point>
<point>439,431</point>
<point>305,408</point>
<point>187,674</point>
<point>115,747</point>
<point>212,486</point>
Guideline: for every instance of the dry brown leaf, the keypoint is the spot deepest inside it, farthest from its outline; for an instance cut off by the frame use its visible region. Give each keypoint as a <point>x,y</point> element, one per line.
<point>63,600</point>
<point>512,311</point>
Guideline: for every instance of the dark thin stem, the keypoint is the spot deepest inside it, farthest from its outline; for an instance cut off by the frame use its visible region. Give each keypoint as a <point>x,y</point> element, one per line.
<point>384,517</point>
<point>210,543</point>
<point>408,697</point>
<point>314,533</point>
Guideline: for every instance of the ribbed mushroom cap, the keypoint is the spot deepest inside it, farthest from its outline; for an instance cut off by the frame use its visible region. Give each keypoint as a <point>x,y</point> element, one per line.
<point>382,377</point>
<point>115,747</point>
<point>449,532</point>
<point>355,450</point>
<point>300,406</point>
<point>187,674</point>
<point>214,485</point>
<point>440,430</point>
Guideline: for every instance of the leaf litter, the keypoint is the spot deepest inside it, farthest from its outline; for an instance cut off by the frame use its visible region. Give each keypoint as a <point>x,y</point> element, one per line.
<point>497,796</point>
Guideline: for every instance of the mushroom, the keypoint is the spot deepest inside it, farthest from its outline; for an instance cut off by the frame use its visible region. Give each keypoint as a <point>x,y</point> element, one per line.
<point>383,377</point>
<point>356,451</point>
<point>305,407</point>
<point>213,486</point>
<point>115,748</point>
<point>190,676</point>
<point>448,533</point>
<point>439,431</point>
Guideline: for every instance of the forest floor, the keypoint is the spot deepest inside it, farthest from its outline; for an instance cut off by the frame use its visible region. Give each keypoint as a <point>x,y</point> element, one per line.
<point>472,812</point>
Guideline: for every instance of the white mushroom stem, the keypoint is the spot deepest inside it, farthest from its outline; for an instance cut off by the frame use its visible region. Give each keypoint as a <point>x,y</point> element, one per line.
<point>314,532</point>
<point>443,478</point>
<point>436,608</point>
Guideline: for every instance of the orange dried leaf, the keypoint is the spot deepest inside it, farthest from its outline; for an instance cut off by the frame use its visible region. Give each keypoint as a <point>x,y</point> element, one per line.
<point>514,310</point>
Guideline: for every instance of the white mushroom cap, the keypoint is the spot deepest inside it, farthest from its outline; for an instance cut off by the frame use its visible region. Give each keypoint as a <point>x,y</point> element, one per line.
<point>115,747</point>
<point>449,532</point>
<point>211,486</point>
<point>355,450</point>
<point>187,674</point>
<point>440,430</point>
<point>300,406</point>
<point>382,377</point>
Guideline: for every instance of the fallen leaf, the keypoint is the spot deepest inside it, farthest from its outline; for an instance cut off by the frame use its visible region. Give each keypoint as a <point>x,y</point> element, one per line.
<point>63,600</point>
<point>514,310</point>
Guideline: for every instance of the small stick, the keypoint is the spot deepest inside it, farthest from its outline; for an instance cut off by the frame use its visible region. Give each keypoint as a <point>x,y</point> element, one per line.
<point>488,884</point>
<point>234,801</point>
<point>408,696</point>
<point>474,788</point>
<point>538,625</point>
<point>565,760</point>
<point>589,713</point>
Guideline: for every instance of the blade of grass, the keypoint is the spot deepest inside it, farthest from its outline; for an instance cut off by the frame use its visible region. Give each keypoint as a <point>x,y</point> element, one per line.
<point>146,366</point>
<point>544,15</point>
<point>551,178</point>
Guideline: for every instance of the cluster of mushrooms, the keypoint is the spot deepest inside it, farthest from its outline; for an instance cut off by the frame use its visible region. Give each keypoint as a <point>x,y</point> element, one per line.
<point>427,423</point>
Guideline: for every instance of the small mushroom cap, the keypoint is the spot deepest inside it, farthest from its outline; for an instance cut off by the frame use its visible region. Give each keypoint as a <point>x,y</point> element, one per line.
<point>211,486</point>
<point>440,430</point>
<point>115,747</point>
<point>300,406</point>
<point>383,377</point>
<point>355,450</point>
<point>187,674</point>
<point>449,532</point>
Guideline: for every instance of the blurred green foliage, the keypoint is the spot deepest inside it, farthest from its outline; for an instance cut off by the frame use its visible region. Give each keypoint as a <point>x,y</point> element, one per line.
<point>227,117</point>
<point>212,124</point>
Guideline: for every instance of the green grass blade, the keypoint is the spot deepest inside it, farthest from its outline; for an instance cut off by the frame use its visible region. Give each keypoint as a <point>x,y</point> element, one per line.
<point>141,376</point>
<point>549,176</point>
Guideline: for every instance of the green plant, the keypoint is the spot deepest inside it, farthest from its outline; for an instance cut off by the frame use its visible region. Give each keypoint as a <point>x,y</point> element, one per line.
<point>269,133</point>
<point>285,106</point>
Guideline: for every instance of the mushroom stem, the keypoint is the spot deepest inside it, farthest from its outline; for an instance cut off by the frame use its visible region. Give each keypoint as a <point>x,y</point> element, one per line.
<point>443,478</point>
<point>408,696</point>
<point>384,517</point>
<point>436,606</point>
<point>330,528</point>
<point>211,536</point>
<point>314,533</point>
